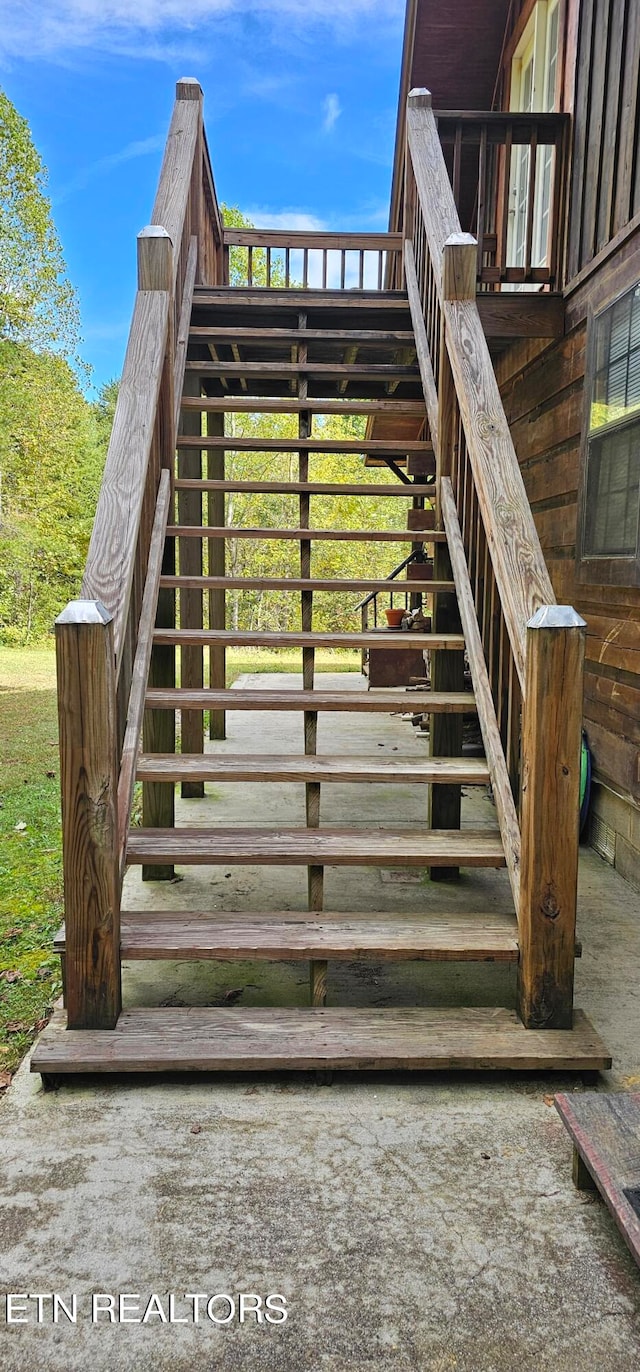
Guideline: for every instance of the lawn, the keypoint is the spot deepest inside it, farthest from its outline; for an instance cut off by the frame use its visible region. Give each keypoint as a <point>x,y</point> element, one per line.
<point>31,907</point>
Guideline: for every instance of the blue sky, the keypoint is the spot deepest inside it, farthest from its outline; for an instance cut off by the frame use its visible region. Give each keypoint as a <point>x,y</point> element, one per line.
<point>300,109</point>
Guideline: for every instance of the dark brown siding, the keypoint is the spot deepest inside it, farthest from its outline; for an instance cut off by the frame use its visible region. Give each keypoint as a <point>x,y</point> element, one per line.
<point>543,398</point>
<point>605,192</point>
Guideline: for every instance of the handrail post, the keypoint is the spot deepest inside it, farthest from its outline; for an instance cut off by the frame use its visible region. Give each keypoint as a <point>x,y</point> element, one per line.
<point>447,668</point>
<point>551,745</point>
<point>87,714</point>
<point>156,273</point>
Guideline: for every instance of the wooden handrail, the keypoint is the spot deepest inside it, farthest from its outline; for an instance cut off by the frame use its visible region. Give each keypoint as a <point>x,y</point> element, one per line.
<point>514,547</point>
<point>310,238</point>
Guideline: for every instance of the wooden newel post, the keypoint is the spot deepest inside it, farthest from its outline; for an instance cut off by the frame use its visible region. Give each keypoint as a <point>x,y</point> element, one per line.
<point>89,785</point>
<point>551,744</point>
<point>447,668</point>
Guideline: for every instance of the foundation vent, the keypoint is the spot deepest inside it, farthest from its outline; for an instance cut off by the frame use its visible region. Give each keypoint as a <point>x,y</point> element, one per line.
<point>603,838</point>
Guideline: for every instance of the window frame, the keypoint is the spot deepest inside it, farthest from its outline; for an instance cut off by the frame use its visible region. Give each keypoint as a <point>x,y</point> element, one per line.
<point>532,48</point>
<point>607,569</point>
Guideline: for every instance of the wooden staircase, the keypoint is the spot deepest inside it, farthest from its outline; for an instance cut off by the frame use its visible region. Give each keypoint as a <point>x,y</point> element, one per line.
<point>157,561</point>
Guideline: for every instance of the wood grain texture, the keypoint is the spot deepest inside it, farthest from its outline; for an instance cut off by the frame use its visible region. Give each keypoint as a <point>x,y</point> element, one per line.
<point>273,583</point>
<point>311,488</point>
<point>108,575</point>
<point>425,362</point>
<point>505,807</point>
<point>277,298</point>
<point>394,937</point>
<point>310,847</point>
<point>519,566</point>
<point>142,663</point>
<point>170,204</point>
<point>88,781</point>
<point>327,535</point>
<point>308,445</point>
<point>387,702</point>
<point>262,1039</point>
<point>305,238</point>
<point>257,767</point>
<point>551,743</point>
<point>263,638</point>
<point>605,1130</point>
<point>235,404</point>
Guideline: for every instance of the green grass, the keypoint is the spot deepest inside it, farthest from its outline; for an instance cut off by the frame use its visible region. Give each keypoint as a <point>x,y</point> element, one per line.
<point>31,907</point>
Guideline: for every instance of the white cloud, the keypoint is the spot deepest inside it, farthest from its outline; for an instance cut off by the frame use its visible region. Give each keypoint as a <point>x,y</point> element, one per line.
<point>141,147</point>
<point>332,109</point>
<point>54,28</point>
<point>295,221</point>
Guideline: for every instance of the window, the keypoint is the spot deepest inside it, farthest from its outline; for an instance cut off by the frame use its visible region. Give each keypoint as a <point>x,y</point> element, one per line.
<point>534,72</point>
<point>611,500</point>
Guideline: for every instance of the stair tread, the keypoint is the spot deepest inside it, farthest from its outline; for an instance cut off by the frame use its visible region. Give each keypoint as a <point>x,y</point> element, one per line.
<point>398,702</point>
<point>237,333</point>
<point>212,1039</point>
<point>356,370</point>
<point>306,535</point>
<point>264,638</point>
<point>472,771</point>
<point>256,443</point>
<point>274,583</point>
<point>243,404</point>
<point>290,299</point>
<point>333,847</point>
<point>298,936</point>
<point>399,488</point>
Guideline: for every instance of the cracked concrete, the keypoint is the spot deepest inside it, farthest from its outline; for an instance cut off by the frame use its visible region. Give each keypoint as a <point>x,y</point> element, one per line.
<point>412,1222</point>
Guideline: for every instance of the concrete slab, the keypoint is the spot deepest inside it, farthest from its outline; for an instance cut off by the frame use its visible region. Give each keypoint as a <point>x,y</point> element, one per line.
<point>411,1223</point>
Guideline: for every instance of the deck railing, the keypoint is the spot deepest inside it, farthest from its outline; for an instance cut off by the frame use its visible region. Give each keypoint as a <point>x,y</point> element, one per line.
<point>104,640</point>
<point>508,172</point>
<point>529,652</point>
<point>307,260</point>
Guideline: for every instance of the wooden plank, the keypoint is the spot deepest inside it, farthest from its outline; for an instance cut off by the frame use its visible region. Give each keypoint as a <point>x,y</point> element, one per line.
<point>108,574</point>
<point>216,555</point>
<point>222,297</point>
<point>142,662</point>
<point>425,361</point>
<point>352,371</point>
<point>87,719</point>
<point>306,445</point>
<point>386,702</point>
<point>605,1130</point>
<point>505,808</point>
<point>375,847</point>
<point>191,599</point>
<point>169,1039</point>
<point>163,934</point>
<point>623,208</point>
<point>330,535</point>
<point>551,743</point>
<point>522,314</point>
<point>519,566</point>
<point>305,238</point>
<point>257,767</point>
<point>274,583</point>
<point>264,638</point>
<point>235,404</point>
<point>311,488</point>
<point>172,196</point>
<point>243,333</point>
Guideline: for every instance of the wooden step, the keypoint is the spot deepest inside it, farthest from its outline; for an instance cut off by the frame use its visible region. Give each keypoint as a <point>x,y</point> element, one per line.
<point>262,638</point>
<point>274,583</point>
<point>260,404</point>
<point>256,444</point>
<point>286,935</point>
<point>307,487</point>
<point>604,1127</point>
<point>284,847</point>
<point>210,1040</point>
<point>472,771</point>
<point>241,333</point>
<point>304,535</point>
<point>364,702</point>
<point>342,371</point>
<point>288,298</point>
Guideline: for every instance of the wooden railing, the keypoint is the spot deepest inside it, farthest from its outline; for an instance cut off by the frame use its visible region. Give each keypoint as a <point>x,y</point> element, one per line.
<point>306,260</point>
<point>104,640</point>
<point>526,655</point>
<point>508,172</point>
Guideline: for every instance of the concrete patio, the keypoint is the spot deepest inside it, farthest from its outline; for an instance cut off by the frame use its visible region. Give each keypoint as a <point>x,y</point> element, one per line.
<point>423,1222</point>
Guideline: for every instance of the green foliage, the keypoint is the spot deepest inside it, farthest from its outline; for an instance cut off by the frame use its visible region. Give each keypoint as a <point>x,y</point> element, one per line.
<point>37,302</point>
<point>239,257</point>
<point>52,446</point>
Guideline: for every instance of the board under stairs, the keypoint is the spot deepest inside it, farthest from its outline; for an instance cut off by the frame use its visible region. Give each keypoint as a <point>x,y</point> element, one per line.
<point>303,354</point>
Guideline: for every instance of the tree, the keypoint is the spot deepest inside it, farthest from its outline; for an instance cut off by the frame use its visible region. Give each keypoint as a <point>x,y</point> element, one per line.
<point>37,303</point>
